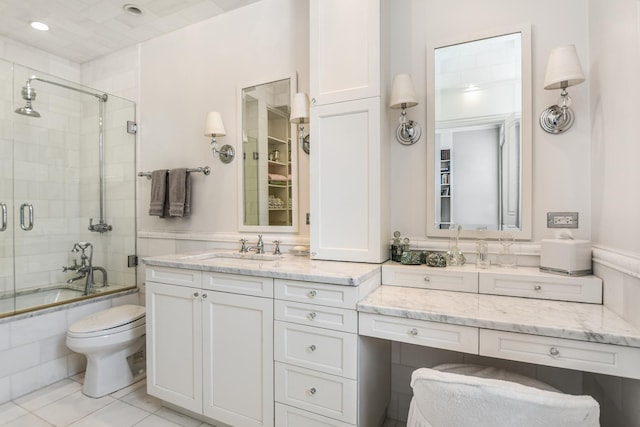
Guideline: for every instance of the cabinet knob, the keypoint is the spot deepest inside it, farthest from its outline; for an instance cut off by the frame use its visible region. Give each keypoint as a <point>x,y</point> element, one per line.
<point>311,294</point>
<point>311,348</point>
<point>313,101</point>
<point>311,316</point>
<point>554,352</point>
<point>204,295</point>
<point>413,332</point>
<point>537,288</point>
<point>427,278</point>
<point>312,391</point>
<point>196,294</point>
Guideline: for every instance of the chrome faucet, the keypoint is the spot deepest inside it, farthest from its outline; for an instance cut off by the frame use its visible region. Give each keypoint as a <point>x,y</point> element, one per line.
<point>259,247</point>
<point>85,269</point>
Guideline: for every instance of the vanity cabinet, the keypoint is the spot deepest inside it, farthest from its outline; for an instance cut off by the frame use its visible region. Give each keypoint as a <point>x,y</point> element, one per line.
<point>210,344</point>
<point>326,375</point>
<point>349,159</point>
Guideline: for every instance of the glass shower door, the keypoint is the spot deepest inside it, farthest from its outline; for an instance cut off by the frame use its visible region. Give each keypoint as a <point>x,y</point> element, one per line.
<point>6,188</point>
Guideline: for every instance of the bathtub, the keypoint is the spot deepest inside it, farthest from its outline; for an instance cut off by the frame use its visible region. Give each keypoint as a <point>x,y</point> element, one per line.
<point>38,298</point>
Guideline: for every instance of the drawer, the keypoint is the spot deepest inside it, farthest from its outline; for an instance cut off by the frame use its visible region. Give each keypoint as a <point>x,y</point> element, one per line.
<point>288,416</point>
<point>323,394</point>
<point>317,293</point>
<point>340,319</point>
<point>413,276</point>
<point>543,286</point>
<point>238,284</point>
<point>174,276</point>
<point>420,332</point>
<point>564,353</point>
<point>314,348</point>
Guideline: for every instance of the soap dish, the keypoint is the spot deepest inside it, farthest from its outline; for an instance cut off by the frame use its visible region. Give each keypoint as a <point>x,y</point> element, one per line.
<point>299,250</point>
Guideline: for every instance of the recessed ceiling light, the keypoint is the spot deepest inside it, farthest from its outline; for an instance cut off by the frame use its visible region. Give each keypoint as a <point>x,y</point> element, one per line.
<point>132,9</point>
<point>40,26</point>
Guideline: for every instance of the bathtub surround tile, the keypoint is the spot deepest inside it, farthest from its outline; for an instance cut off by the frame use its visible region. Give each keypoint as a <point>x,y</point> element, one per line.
<point>18,359</point>
<point>36,328</point>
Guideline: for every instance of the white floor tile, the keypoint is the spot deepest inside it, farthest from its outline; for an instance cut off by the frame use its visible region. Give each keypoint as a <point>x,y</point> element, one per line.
<point>156,421</point>
<point>71,408</point>
<point>140,399</point>
<point>28,420</point>
<point>47,395</point>
<point>10,411</point>
<point>177,417</point>
<point>118,414</point>
<point>133,387</point>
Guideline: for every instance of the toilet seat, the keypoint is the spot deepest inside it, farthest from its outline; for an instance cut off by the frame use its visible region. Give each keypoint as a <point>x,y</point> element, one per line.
<point>110,321</point>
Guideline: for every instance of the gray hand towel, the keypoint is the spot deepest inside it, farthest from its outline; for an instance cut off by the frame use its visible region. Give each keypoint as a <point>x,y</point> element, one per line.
<point>177,191</point>
<point>157,204</point>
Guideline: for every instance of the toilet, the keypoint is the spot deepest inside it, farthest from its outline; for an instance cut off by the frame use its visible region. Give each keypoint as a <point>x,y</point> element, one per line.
<point>109,339</point>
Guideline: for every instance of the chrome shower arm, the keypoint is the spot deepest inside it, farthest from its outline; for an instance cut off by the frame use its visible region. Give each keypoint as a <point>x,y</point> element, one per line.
<point>101,96</point>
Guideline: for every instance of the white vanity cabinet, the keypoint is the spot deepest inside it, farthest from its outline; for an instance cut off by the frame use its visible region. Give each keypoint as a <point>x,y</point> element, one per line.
<point>210,344</point>
<point>325,374</point>
<point>349,159</point>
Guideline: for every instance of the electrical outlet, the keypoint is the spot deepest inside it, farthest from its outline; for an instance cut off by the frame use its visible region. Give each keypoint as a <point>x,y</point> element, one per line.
<point>562,219</point>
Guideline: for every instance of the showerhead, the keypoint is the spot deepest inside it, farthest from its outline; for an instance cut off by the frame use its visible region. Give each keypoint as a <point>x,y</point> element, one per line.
<point>29,94</point>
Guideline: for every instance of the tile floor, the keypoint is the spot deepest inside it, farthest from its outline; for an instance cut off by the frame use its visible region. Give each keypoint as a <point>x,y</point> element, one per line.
<point>63,405</point>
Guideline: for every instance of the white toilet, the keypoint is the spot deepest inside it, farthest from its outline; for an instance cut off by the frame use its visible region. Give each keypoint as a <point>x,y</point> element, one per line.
<point>108,338</point>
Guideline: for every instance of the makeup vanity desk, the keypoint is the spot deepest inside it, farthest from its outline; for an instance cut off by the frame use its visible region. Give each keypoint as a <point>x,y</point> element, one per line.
<point>516,314</point>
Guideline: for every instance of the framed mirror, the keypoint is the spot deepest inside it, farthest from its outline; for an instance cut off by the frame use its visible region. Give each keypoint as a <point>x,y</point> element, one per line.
<point>268,174</point>
<point>479,134</point>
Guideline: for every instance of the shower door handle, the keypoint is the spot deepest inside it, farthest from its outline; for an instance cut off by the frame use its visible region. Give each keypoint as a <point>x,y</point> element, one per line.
<point>24,226</point>
<point>3,207</point>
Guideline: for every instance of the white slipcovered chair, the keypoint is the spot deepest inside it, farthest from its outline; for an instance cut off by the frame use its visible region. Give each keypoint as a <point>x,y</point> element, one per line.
<point>463,395</point>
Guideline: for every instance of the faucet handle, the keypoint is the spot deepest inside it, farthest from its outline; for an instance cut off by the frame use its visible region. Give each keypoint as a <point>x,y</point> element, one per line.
<point>244,246</point>
<point>276,250</point>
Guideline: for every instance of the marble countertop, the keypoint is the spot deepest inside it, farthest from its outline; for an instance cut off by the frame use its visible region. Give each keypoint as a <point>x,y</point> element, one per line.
<point>578,321</point>
<point>286,266</point>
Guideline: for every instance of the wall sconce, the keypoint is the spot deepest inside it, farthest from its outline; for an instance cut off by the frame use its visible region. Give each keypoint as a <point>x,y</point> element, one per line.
<point>563,70</point>
<point>214,127</point>
<point>403,96</point>
<point>300,116</point>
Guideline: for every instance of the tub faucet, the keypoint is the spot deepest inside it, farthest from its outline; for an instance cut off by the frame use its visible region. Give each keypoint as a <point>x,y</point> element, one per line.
<point>86,268</point>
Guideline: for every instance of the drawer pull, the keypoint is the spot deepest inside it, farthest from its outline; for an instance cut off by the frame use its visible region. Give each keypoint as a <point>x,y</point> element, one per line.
<point>311,294</point>
<point>311,316</point>
<point>427,278</point>
<point>312,391</point>
<point>413,332</point>
<point>537,288</point>
<point>196,294</point>
<point>554,352</point>
<point>311,348</point>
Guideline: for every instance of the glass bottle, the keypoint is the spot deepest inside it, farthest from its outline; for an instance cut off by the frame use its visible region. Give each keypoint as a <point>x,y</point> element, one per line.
<point>396,247</point>
<point>507,257</point>
<point>482,249</point>
<point>455,257</point>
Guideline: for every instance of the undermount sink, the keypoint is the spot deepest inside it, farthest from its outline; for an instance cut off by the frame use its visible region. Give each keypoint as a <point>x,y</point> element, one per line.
<point>235,255</point>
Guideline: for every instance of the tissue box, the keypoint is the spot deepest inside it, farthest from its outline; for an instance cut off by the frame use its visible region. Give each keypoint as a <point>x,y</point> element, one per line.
<point>566,256</point>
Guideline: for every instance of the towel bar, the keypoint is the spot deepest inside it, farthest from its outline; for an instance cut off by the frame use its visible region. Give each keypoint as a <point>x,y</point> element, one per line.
<point>204,169</point>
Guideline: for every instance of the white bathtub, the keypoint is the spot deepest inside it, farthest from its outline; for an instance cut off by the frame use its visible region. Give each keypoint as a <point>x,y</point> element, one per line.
<point>37,298</point>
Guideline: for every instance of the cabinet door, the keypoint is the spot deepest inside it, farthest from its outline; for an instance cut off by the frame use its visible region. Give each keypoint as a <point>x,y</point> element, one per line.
<point>174,344</point>
<point>344,52</point>
<point>349,183</point>
<point>238,359</point>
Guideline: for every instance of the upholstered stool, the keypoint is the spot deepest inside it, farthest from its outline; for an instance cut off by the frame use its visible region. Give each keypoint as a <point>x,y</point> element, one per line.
<point>463,395</point>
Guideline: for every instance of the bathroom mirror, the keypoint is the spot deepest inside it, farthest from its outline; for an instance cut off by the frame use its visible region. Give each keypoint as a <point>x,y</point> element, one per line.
<point>479,134</point>
<point>268,175</point>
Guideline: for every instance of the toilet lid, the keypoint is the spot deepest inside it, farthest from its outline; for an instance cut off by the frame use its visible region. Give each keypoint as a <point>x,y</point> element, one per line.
<point>108,319</point>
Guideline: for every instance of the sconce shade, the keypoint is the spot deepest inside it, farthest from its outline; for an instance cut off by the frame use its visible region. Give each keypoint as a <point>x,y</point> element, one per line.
<point>563,66</point>
<point>300,108</point>
<point>214,126</point>
<point>403,92</point>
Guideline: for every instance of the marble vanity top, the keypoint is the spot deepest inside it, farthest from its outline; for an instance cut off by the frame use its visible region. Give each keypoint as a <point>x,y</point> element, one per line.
<point>578,321</point>
<point>286,266</point>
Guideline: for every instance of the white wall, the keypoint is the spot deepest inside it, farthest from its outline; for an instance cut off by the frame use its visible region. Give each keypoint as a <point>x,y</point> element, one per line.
<point>202,68</point>
<point>561,164</point>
